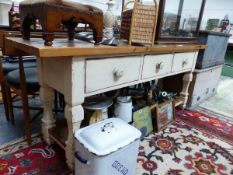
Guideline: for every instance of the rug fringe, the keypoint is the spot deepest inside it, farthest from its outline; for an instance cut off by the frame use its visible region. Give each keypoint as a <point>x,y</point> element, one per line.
<point>212,112</point>
<point>18,140</point>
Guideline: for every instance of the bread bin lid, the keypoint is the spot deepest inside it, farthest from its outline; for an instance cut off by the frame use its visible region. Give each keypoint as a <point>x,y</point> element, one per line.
<point>107,136</point>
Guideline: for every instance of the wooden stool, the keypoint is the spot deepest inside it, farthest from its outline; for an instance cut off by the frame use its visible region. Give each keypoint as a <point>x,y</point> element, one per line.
<point>52,13</point>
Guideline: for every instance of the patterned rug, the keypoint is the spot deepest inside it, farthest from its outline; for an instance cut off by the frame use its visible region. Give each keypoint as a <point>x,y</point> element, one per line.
<point>209,123</point>
<point>39,158</point>
<point>180,149</point>
<point>183,150</point>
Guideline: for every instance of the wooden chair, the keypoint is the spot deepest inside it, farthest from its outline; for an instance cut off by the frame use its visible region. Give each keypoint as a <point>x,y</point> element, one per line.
<point>8,65</point>
<point>21,77</point>
<point>3,89</point>
<point>16,80</point>
<point>24,82</point>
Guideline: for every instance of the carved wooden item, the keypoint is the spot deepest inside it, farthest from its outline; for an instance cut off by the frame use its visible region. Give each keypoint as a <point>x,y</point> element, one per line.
<point>53,13</point>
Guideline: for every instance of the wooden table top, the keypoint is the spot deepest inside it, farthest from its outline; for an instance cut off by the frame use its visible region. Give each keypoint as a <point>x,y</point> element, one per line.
<point>64,48</point>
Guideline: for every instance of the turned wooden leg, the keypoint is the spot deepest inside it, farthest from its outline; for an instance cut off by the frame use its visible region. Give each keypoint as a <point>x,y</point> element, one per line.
<point>187,78</point>
<point>26,114</point>
<point>48,30</point>
<point>74,116</point>
<point>74,97</point>
<point>26,25</point>
<point>9,105</point>
<point>48,120</point>
<point>4,99</point>
<point>48,38</point>
<point>97,26</point>
<point>70,24</point>
<point>26,33</point>
<point>47,99</point>
<point>97,36</point>
<point>71,35</point>
<point>25,30</point>
<point>98,39</point>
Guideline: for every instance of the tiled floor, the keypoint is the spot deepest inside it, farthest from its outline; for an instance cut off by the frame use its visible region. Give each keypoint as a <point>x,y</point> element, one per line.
<point>8,132</point>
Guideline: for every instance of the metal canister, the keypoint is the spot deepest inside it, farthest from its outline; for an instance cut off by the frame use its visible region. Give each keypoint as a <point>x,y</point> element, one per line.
<point>96,108</point>
<point>123,108</point>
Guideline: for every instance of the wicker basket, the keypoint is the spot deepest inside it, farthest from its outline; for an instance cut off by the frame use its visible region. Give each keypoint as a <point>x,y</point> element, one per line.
<point>138,24</point>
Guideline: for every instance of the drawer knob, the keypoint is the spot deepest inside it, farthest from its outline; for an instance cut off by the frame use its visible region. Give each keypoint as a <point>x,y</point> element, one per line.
<point>118,73</point>
<point>159,66</point>
<point>185,62</point>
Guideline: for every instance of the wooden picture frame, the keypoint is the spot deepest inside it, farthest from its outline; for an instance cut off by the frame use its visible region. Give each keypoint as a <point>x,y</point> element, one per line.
<point>163,114</point>
<point>159,38</point>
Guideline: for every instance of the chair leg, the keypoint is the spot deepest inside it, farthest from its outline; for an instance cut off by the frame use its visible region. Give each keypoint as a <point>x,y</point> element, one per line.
<point>10,105</point>
<point>23,93</point>
<point>4,99</point>
<point>55,102</point>
<point>26,114</point>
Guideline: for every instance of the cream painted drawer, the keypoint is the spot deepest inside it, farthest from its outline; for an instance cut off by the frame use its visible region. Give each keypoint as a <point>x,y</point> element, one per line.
<point>104,73</point>
<point>155,65</point>
<point>183,61</point>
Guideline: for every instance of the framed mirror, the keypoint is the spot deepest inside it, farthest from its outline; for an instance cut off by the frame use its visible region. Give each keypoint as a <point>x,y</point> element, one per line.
<point>179,21</point>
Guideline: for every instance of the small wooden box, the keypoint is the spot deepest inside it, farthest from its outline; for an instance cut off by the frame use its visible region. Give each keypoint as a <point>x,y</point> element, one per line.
<point>163,114</point>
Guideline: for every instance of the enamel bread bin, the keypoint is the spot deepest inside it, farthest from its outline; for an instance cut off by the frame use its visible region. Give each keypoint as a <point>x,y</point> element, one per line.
<point>107,147</point>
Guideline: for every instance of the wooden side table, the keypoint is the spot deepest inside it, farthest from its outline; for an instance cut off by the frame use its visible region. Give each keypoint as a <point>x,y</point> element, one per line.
<point>81,69</point>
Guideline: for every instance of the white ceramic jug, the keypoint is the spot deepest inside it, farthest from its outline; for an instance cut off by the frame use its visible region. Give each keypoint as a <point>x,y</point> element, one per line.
<point>123,108</point>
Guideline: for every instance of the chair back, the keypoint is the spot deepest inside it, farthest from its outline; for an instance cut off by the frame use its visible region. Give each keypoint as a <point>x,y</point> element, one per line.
<point>1,70</point>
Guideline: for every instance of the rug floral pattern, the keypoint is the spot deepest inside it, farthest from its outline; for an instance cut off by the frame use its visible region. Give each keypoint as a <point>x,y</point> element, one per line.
<point>39,158</point>
<point>209,123</point>
<point>180,150</point>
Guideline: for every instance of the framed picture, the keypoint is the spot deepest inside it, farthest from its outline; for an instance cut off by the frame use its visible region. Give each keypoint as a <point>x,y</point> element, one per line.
<point>142,120</point>
<point>179,21</point>
<point>163,114</point>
